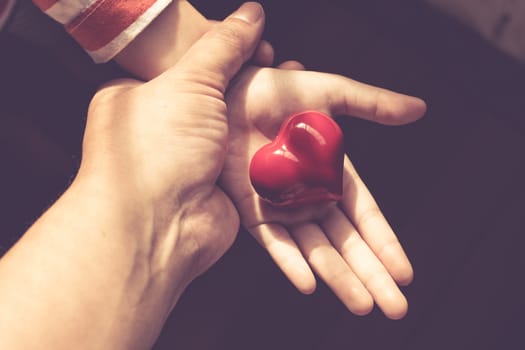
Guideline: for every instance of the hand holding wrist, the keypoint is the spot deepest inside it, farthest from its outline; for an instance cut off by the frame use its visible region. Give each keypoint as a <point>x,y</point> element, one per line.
<point>144,215</point>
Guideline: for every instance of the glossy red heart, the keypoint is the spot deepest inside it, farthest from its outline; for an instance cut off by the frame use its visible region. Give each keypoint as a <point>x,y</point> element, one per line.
<point>303,165</point>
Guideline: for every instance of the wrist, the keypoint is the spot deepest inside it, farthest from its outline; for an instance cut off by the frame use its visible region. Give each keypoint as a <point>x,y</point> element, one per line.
<point>149,232</point>
<point>91,259</point>
<point>164,41</point>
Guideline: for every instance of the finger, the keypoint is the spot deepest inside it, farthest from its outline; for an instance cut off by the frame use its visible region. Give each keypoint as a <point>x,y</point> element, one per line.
<point>220,53</point>
<point>332,268</point>
<point>283,250</point>
<point>365,264</point>
<point>359,205</point>
<point>291,65</point>
<point>350,97</point>
<point>338,95</point>
<point>264,54</point>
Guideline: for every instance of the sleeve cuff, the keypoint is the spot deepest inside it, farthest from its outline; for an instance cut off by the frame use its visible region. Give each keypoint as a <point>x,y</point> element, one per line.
<point>104,27</point>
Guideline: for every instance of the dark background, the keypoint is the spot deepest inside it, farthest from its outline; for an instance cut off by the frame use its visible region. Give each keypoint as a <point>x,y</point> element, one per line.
<point>450,184</point>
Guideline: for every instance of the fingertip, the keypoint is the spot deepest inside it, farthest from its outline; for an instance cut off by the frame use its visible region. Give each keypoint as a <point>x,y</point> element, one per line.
<point>362,310</point>
<point>291,65</point>
<point>407,110</point>
<point>357,300</point>
<point>406,277</point>
<point>249,12</point>
<point>397,311</point>
<point>422,105</point>
<point>392,108</point>
<point>392,302</point>
<point>307,288</point>
<point>398,265</point>
<point>264,54</point>
<point>304,281</point>
<point>417,108</point>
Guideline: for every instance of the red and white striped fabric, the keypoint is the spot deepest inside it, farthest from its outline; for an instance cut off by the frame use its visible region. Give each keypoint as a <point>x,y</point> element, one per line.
<point>102,27</point>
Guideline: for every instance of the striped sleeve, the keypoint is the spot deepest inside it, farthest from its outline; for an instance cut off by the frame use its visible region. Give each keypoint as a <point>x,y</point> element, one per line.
<point>5,9</point>
<point>103,27</point>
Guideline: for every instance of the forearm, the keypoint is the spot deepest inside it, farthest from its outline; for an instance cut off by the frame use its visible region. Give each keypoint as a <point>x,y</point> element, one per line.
<point>164,41</point>
<point>84,276</point>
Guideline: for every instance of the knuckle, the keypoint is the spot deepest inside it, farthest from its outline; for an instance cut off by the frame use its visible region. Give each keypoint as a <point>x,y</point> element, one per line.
<point>231,35</point>
<point>376,280</point>
<point>389,248</point>
<point>352,242</point>
<point>369,215</point>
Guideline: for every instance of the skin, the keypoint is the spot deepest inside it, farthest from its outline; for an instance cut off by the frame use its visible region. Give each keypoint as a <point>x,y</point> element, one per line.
<point>350,245</point>
<point>111,257</point>
<point>109,260</point>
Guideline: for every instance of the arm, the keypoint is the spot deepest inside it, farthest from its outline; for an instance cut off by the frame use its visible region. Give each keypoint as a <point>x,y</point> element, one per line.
<point>81,275</point>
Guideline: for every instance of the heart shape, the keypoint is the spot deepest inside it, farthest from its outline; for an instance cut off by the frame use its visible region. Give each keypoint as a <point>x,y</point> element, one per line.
<point>303,165</point>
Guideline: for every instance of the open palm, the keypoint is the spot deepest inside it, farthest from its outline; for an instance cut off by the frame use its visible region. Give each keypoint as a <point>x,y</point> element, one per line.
<point>349,245</point>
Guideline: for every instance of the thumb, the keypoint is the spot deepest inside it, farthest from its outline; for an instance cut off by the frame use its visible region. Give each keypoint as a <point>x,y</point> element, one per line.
<point>222,51</point>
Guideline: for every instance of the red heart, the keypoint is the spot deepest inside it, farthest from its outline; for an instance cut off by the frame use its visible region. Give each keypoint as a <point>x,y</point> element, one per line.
<point>303,165</point>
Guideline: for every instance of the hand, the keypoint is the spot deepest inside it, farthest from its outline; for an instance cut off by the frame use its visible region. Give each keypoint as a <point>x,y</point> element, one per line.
<point>349,245</point>
<point>163,143</point>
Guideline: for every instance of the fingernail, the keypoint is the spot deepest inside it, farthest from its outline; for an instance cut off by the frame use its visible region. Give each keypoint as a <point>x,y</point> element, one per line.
<point>249,12</point>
